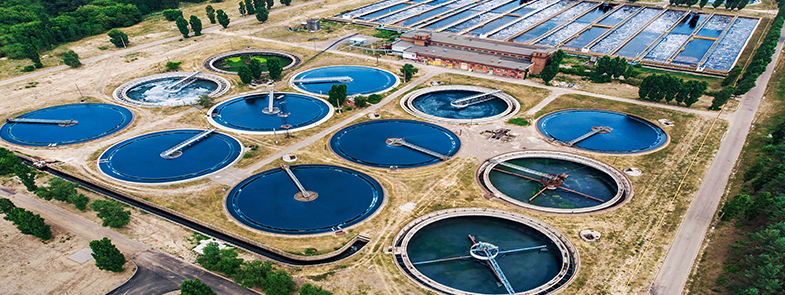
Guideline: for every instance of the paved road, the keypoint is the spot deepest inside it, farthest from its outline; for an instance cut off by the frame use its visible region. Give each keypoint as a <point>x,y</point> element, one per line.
<point>676,269</point>
<point>158,272</point>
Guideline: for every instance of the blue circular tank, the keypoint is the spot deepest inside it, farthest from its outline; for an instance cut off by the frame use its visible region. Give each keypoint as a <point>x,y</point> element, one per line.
<point>268,201</point>
<point>246,114</point>
<point>368,143</point>
<point>364,80</point>
<point>437,104</point>
<point>628,134</point>
<point>93,120</point>
<point>433,249</point>
<point>140,159</point>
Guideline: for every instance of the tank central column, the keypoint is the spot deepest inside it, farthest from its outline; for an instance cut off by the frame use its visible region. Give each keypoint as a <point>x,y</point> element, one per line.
<point>303,195</point>
<point>270,109</point>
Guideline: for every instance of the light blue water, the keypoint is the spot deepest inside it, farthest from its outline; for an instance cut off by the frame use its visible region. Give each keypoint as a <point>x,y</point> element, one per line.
<point>266,200</point>
<point>449,238</point>
<point>649,34</point>
<point>385,11</point>
<point>138,159</point>
<point>438,104</point>
<point>245,113</point>
<point>729,48</point>
<point>365,81</point>
<point>677,36</point>
<point>492,25</point>
<point>94,121</point>
<point>555,21</point>
<point>629,134</point>
<point>154,92</point>
<point>693,52</point>
<point>365,143</point>
<point>630,27</point>
<point>424,16</point>
<point>586,37</point>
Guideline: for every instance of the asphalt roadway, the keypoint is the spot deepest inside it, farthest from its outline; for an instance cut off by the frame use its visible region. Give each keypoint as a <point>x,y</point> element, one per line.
<point>673,275</point>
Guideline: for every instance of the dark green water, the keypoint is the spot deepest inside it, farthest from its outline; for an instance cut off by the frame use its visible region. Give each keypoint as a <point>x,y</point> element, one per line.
<point>582,178</point>
<point>449,238</point>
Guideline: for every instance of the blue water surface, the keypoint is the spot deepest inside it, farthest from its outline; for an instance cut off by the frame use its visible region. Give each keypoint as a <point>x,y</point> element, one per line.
<point>365,80</point>
<point>266,200</point>
<point>450,238</point>
<point>629,135</point>
<point>245,113</point>
<point>95,120</point>
<point>139,159</point>
<point>365,143</point>
<point>437,104</point>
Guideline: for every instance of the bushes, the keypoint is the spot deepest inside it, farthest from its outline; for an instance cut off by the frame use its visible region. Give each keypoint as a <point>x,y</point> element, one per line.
<point>669,88</point>
<point>111,213</point>
<point>64,191</point>
<point>118,38</point>
<point>172,14</point>
<point>27,222</point>
<point>172,66</point>
<point>71,59</point>
<point>106,255</point>
<point>375,98</point>
<point>519,122</point>
<point>195,287</point>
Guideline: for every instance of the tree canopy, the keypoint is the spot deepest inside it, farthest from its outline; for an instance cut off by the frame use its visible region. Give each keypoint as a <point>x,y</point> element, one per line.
<point>106,255</point>
<point>111,213</point>
<point>195,287</point>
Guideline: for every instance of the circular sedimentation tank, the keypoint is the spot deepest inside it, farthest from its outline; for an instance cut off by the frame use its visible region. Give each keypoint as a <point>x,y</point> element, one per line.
<point>170,89</point>
<point>358,80</point>
<point>450,252</point>
<point>142,159</point>
<point>229,62</point>
<point>554,182</point>
<point>336,199</point>
<point>250,114</point>
<point>436,104</point>
<point>374,143</point>
<point>617,133</point>
<point>65,124</point>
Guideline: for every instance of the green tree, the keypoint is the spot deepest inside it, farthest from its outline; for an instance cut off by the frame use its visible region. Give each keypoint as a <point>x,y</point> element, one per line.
<point>196,25</point>
<point>111,213</point>
<point>106,255</point>
<point>118,38</point>
<point>732,76</point>
<point>375,98</point>
<point>721,97</point>
<point>6,205</point>
<point>252,5</point>
<point>696,91</point>
<point>261,14</point>
<point>205,101</point>
<point>245,74</point>
<point>549,72</point>
<point>210,13</point>
<point>242,8</point>
<point>26,175</point>
<point>361,101</point>
<point>182,25</point>
<point>717,3</point>
<point>195,287</point>
<point>172,65</point>
<point>286,2</point>
<point>32,54</point>
<point>337,95</point>
<point>172,14</point>
<point>279,282</point>
<point>274,68</point>
<point>408,71</point>
<point>223,19</point>
<point>703,3</point>
<point>29,223</point>
<point>71,59</point>
<point>308,289</point>
<point>736,206</point>
<point>256,68</point>
<point>270,4</point>
<point>221,260</point>
<point>253,274</point>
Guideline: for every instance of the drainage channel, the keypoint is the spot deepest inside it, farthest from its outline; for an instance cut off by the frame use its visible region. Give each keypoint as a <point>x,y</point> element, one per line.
<point>356,244</point>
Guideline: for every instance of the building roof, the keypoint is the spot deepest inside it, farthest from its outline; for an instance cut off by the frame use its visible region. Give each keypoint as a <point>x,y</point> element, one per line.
<point>485,59</point>
<point>475,42</point>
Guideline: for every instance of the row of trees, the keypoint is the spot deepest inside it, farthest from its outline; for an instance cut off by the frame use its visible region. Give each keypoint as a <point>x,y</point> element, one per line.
<point>669,88</point>
<point>605,70</point>
<point>253,70</point>
<point>27,222</point>
<point>729,4</point>
<point>249,274</point>
<point>762,56</point>
<point>196,26</point>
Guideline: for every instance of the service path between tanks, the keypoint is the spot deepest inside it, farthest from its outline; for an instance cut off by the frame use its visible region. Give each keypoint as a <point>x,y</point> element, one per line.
<point>145,45</point>
<point>158,273</point>
<point>678,264</point>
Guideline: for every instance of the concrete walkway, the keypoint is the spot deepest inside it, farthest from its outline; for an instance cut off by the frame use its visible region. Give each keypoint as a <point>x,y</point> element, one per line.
<point>678,264</point>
